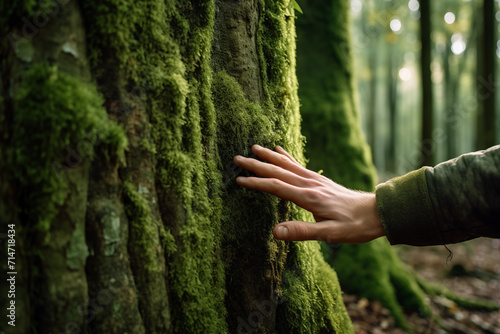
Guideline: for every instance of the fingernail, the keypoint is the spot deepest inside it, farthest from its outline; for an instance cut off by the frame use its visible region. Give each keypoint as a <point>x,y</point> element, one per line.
<point>278,147</point>
<point>282,232</point>
<point>257,146</point>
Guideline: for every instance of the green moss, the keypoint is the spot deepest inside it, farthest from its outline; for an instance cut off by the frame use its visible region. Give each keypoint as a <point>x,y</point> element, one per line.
<point>240,123</point>
<point>312,300</point>
<point>466,303</point>
<point>247,216</point>
<point>53,132</point>
<point>165,46</point>
<point>276,46</point>
<point>141,228</point>
<point>168,242</point>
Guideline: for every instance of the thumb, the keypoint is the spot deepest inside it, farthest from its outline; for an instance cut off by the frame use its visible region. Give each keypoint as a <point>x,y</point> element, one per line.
<point>296,231</point>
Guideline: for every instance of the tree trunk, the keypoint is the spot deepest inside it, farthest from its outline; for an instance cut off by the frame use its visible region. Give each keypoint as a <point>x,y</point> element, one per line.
<point>392,87</point>
<point>486,58</point>
<point>427,148</point>
<point>372,108</point>
<point>335,144</point>
<point>120,121</point>
<point>450,97</point>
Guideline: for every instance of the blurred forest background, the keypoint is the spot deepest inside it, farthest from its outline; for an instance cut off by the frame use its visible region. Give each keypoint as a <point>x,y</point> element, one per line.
<point>457,67</point>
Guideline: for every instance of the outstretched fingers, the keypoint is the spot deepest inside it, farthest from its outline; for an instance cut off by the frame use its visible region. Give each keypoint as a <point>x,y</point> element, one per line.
<point>285,161</point>
<point>281,150</point>
<point>269,170</point>
<point>278,188</point>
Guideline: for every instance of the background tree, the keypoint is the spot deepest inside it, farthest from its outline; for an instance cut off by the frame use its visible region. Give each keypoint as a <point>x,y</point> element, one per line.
<point>427,141</point>
<point>119,123</point>
<point>486,116</point>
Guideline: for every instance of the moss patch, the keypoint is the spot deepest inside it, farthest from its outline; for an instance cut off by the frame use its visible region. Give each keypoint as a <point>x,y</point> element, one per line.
<point>58,123</point>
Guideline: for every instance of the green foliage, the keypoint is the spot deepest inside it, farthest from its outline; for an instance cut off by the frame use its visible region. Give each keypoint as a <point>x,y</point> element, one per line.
<point>57,117</point>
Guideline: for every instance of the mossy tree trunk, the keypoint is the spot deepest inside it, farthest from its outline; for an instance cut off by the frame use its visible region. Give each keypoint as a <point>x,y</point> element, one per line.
<point>336,145</point>
<point>119,123</point>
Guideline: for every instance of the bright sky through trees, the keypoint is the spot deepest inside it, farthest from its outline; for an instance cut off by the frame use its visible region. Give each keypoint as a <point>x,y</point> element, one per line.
<point>396,25</point>
<point>449,17</point>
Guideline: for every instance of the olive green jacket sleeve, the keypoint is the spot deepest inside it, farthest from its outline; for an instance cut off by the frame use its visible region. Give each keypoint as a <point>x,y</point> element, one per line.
<point>455,201</point>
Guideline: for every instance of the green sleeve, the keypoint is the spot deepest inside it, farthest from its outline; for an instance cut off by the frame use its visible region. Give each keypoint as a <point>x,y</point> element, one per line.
<point>455,201</point>
<point>406,212</point>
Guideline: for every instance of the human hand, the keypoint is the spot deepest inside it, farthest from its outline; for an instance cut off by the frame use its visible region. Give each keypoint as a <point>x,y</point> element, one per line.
<point>342,215</point>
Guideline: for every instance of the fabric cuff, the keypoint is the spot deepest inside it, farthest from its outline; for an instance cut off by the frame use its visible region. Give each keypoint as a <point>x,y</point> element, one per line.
<point>405,210</point>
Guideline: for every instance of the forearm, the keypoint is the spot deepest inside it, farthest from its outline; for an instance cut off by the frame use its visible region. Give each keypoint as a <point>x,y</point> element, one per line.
<point>465,193</point>
<point>406,212</point>
<point>455,201</point>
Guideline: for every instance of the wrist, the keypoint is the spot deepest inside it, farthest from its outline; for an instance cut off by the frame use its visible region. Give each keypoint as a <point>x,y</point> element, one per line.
<point>370,219</point>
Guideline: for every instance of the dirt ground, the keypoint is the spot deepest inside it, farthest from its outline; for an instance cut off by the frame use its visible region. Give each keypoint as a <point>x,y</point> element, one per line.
<point>474,271</point>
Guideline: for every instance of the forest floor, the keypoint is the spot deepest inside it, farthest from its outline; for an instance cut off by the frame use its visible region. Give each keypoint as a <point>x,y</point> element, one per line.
<point>473,272</point>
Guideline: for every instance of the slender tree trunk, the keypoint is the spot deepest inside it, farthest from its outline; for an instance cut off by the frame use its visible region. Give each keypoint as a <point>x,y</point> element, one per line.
<point>119,123</point>
<point>427,144</point>
<point>372,107</point>
<point>486,118</point>
<point>450,90</point>
<point>392,86</point>
<point>371,104</point>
